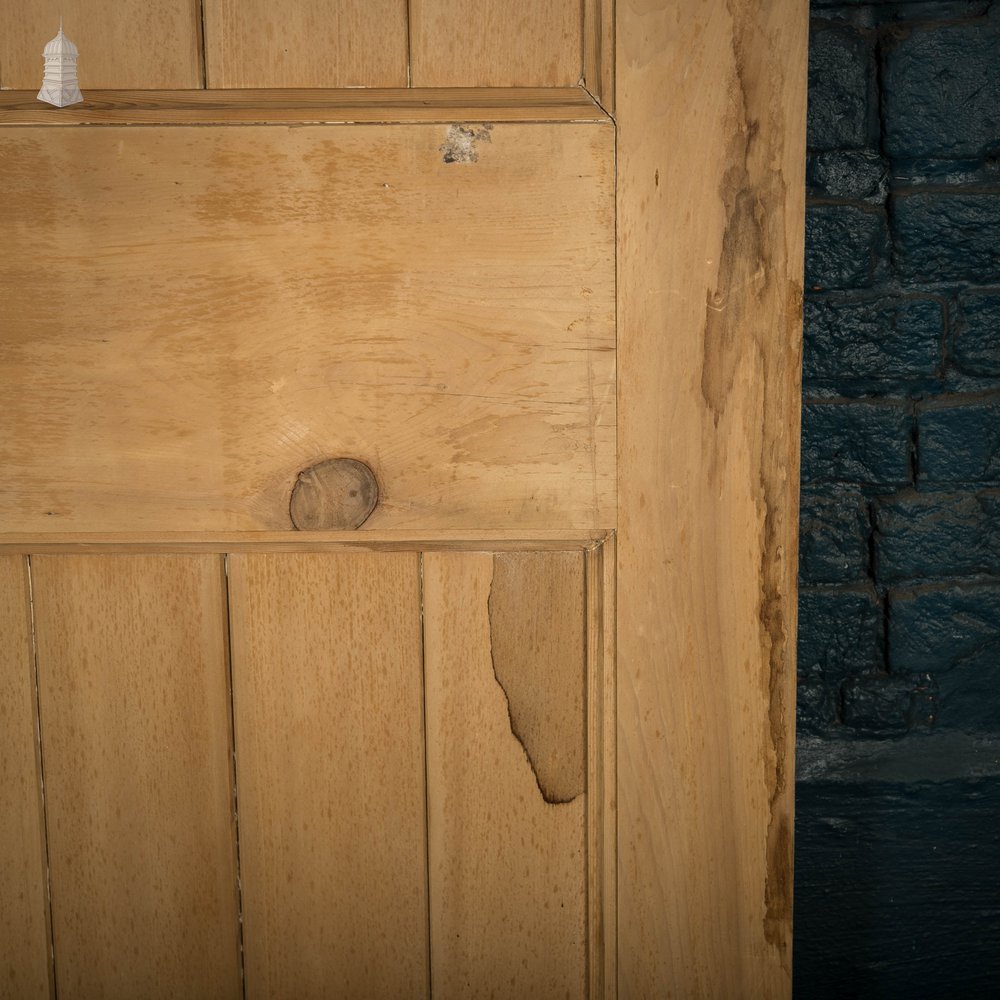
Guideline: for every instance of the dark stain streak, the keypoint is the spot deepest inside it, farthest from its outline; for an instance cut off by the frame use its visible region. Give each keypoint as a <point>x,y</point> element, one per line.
<point>740,319</point>
<point>548,795</point>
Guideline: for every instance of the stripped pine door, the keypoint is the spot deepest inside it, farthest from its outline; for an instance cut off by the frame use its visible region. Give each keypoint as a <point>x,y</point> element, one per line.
<point>507,325</point>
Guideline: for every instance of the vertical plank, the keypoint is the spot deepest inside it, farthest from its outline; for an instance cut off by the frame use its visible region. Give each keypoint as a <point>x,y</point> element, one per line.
<point>599,51</point>
<point>602,849</point>
<point>329,744</point>
<point>134,703</point>
<point>710,279</point>
<point>25,970</point>
<point>504,664</point>
<point>496,43</point>
<point>306,43</point>
<point>125,45</point>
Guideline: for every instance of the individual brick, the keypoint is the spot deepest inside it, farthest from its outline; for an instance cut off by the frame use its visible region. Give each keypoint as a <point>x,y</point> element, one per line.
<point>842,98</point>
<point>833,535</point>
<point>857,443</point>
<point>844,244</point>
<point>960,442</point>
<point>937,535</point>
<point>976,348</point>
<point>936,629</point>
<point>815,706</point>
<point>871,339</point>
<point>942,236</point>
<point>855,174</point>
<point>941,90</point>
<point>840,633</point>
<point>884,705</point>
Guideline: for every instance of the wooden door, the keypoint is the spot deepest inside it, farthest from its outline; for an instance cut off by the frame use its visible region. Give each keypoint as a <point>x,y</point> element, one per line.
<point>397,532</point>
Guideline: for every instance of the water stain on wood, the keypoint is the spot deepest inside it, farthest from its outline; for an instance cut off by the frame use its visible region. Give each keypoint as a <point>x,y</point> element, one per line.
<point>537,646</point>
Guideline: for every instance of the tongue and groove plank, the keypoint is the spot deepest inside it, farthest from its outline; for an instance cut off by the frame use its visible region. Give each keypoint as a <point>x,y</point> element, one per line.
<point>330,773</point>
<point>25,965</point>
<point>437,302</point>
<point>306,43</point>
<point>496,43</point>
<point>127,44</point>
<point>506,801</point>
<point>135,726</point>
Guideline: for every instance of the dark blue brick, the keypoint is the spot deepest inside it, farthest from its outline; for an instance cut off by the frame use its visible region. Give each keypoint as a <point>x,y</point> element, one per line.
<point>976,349</point>
<point>883,705</point>
<point>833,535</point>
<point>872,339</point>
<point>940,236</point>
<point>952,633</point>
<point>840,634</point>
<point>937,535</point>
<point>856,443</point>
<point>960,442</point>
<point>816,706</point>
<point>842,100</point>
<point>855,174</point>
<point>844,244</point>
<point>934,630</point>
<point>941,90</point>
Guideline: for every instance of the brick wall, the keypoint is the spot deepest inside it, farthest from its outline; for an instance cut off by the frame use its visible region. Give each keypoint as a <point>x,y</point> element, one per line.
<point>899,653</point>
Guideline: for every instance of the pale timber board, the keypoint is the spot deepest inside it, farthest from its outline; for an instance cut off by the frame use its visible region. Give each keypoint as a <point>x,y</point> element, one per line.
<point>504,669</point>
<point>495,43</point>
<point>193,316</point>
<point>330,773</point>
<point>307,106</point>
<point>126,44</point>
<point>136,746</point>
<point>710,105</point>
<point>25,965</point>
<point>305,43</point>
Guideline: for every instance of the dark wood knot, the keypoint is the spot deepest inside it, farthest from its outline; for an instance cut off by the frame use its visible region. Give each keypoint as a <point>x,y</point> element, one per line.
<point>335,495</point>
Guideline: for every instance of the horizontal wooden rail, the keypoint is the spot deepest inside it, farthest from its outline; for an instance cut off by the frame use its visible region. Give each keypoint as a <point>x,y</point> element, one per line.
<point>328,107</point>
<point>301,541</point>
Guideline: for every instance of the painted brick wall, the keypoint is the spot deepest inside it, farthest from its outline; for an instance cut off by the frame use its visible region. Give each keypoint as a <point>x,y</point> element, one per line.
<point>898,850</point>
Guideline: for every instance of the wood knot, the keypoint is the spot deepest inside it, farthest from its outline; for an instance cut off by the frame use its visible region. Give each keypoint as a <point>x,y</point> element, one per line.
<point>334,495</point>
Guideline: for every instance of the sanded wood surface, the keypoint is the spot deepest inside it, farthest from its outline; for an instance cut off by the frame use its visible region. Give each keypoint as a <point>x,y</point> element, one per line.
<point>25,971</point>
<point>248,107</point>
<point>138,44</point>
<point>433,300</point>
<point>330,774</point>
<point>506,806</point>
<point>306,43</point>
<point>710,103</point>
<point>495,43</point>
<point>599,51</point>
<point>135,722</point>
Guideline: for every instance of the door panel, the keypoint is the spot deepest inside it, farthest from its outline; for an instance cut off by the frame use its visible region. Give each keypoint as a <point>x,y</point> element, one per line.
<point>24,929</point>
<point>306,43</point>
<point>495,43</point>
<point>437,303</point>
<point>330,773</point>
<point>127,44</point>
<point>506,779</point>
<point>135,719</point>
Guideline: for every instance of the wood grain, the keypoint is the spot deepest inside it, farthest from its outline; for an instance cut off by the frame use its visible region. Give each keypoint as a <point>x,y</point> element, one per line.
<point>329,748</point>
<point>306,43</point>
<point>495,43</point>
<point>292,294</point>
<point>599,51</point>
<point>507,865</point>
<point>710,280</point>
<point>134,701</point>
<point>25,965</point>
<point>251,107</point>
<point>128,44</point>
